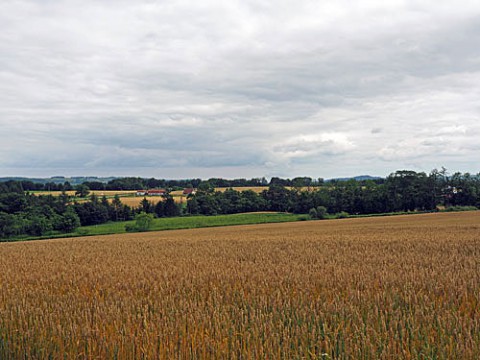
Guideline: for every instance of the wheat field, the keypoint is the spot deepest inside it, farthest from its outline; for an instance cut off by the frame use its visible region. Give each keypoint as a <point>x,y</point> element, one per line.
<point>403,287</point>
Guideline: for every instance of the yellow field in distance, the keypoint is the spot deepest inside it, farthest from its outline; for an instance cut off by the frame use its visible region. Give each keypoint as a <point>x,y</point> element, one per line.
<point>123,193</point>
<point>96,192</point>
<point>136,200</point>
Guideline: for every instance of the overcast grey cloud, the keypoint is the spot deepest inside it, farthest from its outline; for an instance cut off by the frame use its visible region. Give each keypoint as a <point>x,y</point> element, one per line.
<point>238,88</point>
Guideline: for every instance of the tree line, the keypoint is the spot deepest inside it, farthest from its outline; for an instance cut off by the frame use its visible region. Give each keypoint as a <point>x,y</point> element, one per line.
<point>25,214</point>
<point>135,183</point>
<point>138,183</point>
<point>401,191</point>
<point>22,213</point>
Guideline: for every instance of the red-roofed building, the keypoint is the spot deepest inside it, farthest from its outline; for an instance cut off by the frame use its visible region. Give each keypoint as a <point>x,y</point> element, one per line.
<point>156,192</point>
<point>189,191</point>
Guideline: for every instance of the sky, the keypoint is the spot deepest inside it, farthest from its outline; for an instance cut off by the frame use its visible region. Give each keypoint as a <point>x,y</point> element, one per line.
<point>250,88</point>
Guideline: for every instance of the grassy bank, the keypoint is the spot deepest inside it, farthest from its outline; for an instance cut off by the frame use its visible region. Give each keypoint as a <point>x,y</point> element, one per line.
<point>185,222</point>
<point>202,221</point>
<point>191,222</point>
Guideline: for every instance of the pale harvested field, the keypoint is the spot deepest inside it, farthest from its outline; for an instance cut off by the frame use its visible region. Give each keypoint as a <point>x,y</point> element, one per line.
<point>96,192</point>
<point>176,193</point>
<point>136,200</point>
<point>404,287</point>
<point>259,189</point>
<point>127,197</point>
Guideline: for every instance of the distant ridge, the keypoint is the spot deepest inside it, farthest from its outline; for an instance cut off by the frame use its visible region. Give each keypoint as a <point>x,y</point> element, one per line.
<point>74,180</point>
<point>357,178</point>
<point>77,180</point>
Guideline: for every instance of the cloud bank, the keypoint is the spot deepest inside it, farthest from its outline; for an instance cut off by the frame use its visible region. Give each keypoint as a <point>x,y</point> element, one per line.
<point>238,88</point>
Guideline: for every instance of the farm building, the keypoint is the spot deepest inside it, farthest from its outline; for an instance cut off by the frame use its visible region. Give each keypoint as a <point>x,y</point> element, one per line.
<point>189,191</point>
<point>158,192</point>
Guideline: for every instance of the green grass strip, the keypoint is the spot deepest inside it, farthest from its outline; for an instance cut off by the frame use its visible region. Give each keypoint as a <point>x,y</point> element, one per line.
<point>174,223</point>
<point>192,222</point>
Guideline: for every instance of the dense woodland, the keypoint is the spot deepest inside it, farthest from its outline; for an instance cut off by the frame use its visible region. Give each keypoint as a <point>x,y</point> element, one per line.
<point>23,213</point>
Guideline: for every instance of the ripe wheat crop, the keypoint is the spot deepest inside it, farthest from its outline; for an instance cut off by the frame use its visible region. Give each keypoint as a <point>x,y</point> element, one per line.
<point>405,287</point>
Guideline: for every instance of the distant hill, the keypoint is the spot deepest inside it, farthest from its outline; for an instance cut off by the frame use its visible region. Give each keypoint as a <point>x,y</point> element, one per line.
<point>357,178</point>
<point>74,180</point>
<point>77,180</point>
